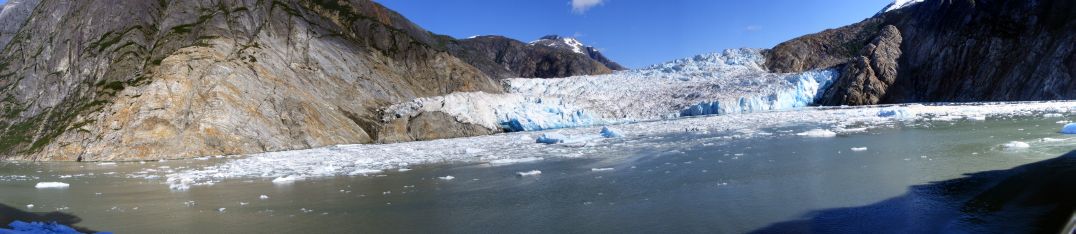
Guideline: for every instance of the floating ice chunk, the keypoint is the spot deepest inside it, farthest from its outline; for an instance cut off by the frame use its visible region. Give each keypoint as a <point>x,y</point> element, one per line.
<point>473,150</point>
<point>49,185</point>
<point>897,113</point>
<point>552,138</point>
<point>29,206</point>
<point>818,133</point>
<point>976,117</point>
<point>1069,128</point>
<point>602,169</point>
<point>363,172</point>
<point>611,133</point>
<point>507,161</point>
<point>404,169</point>
<point>1015,145</point>
<point>221,210</point>
<point>529,173</point>
<point>106,164</point>
<point>1052,115</point>
<point>1047,139</point>
<point>263,197</point>
<point>857,149</point>
<point>446,177</point>
<point>285,180</point>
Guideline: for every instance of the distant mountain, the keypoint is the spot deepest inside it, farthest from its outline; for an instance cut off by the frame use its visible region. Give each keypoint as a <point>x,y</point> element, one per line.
<point>945,50</point>
<point>549,57</point>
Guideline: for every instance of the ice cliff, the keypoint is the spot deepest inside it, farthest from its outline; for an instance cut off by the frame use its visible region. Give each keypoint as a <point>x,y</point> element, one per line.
<point>733,81</point>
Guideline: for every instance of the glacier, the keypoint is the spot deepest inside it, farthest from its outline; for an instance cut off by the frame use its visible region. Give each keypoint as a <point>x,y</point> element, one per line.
<point>732,81</point>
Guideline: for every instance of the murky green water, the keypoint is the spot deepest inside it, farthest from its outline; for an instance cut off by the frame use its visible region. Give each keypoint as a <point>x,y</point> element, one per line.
<point>728,187</point>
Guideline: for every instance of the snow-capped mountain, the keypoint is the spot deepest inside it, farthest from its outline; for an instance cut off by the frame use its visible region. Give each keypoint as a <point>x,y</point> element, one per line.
<point>733,81</point>
<point>555,41</point>
<point>551,57</point>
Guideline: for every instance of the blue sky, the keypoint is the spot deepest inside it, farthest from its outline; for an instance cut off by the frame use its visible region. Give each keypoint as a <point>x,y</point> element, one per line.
<point>637,33</point>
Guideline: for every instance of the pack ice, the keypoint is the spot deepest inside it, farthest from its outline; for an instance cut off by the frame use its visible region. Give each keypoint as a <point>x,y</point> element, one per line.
<point>733,81</point>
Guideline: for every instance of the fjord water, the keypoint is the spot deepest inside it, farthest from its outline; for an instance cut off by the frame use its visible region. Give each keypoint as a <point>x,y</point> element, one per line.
<point>729,186</point>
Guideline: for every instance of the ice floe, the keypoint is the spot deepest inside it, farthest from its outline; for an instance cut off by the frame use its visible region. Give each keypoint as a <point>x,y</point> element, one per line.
<point>1015,145</point>
<point>529,173</point>
<point>500,149</point>
<point>50,185</point>
<point>857,149</point>
<point>818,133</point>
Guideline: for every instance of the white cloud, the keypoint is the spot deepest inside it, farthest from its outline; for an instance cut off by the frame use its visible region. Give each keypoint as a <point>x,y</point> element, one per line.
<point>753,28</point>
<point>581,6</point>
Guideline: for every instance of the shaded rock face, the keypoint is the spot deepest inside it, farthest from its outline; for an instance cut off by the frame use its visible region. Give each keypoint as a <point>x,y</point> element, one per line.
<point>951,50</point>
<point>502,57</point>
<point>865,80</point>
<point>124,80</point>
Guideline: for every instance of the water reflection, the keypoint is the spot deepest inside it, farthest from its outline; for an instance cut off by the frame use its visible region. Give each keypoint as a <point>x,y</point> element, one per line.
<point>1033,198</point>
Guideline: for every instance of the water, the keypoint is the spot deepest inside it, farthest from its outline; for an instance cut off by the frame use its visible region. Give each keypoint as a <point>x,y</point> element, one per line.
<point>727,186</point>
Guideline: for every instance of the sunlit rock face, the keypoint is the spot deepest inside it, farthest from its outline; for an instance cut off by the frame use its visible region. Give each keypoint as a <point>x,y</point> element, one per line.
<point>111,80</point>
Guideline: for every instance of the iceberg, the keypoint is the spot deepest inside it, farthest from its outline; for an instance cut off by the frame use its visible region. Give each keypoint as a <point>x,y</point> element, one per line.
<point>896,113</point>
<point>611,133</point>
<point>1069,129</point>
<point>552,138</point>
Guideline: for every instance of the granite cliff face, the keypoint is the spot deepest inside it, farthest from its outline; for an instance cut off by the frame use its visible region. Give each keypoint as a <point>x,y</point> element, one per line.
<point>116,79</point>
<point>549,57</point>
<point>945,50</point>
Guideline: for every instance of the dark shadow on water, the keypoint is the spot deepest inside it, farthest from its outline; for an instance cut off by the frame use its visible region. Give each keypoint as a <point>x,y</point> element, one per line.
<point>1033,198</point>
<point>10,214</point>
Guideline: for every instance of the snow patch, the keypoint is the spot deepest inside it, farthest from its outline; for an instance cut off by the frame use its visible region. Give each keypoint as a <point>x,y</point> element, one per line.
<point>898,4</point>
<point>447,177</point>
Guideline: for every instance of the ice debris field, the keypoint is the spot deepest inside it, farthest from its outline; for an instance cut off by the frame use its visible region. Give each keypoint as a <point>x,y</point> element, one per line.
<point>733,81</point>
<point>519,147</point>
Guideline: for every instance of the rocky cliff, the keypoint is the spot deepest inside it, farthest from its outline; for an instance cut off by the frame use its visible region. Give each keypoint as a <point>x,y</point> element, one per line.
<point>119,79</point>
<point>945,50</point>
<point>549,57</point>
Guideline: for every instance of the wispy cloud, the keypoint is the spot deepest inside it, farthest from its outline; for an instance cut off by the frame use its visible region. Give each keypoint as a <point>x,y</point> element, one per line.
<point>581,6</point>
<point>752,28</point>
